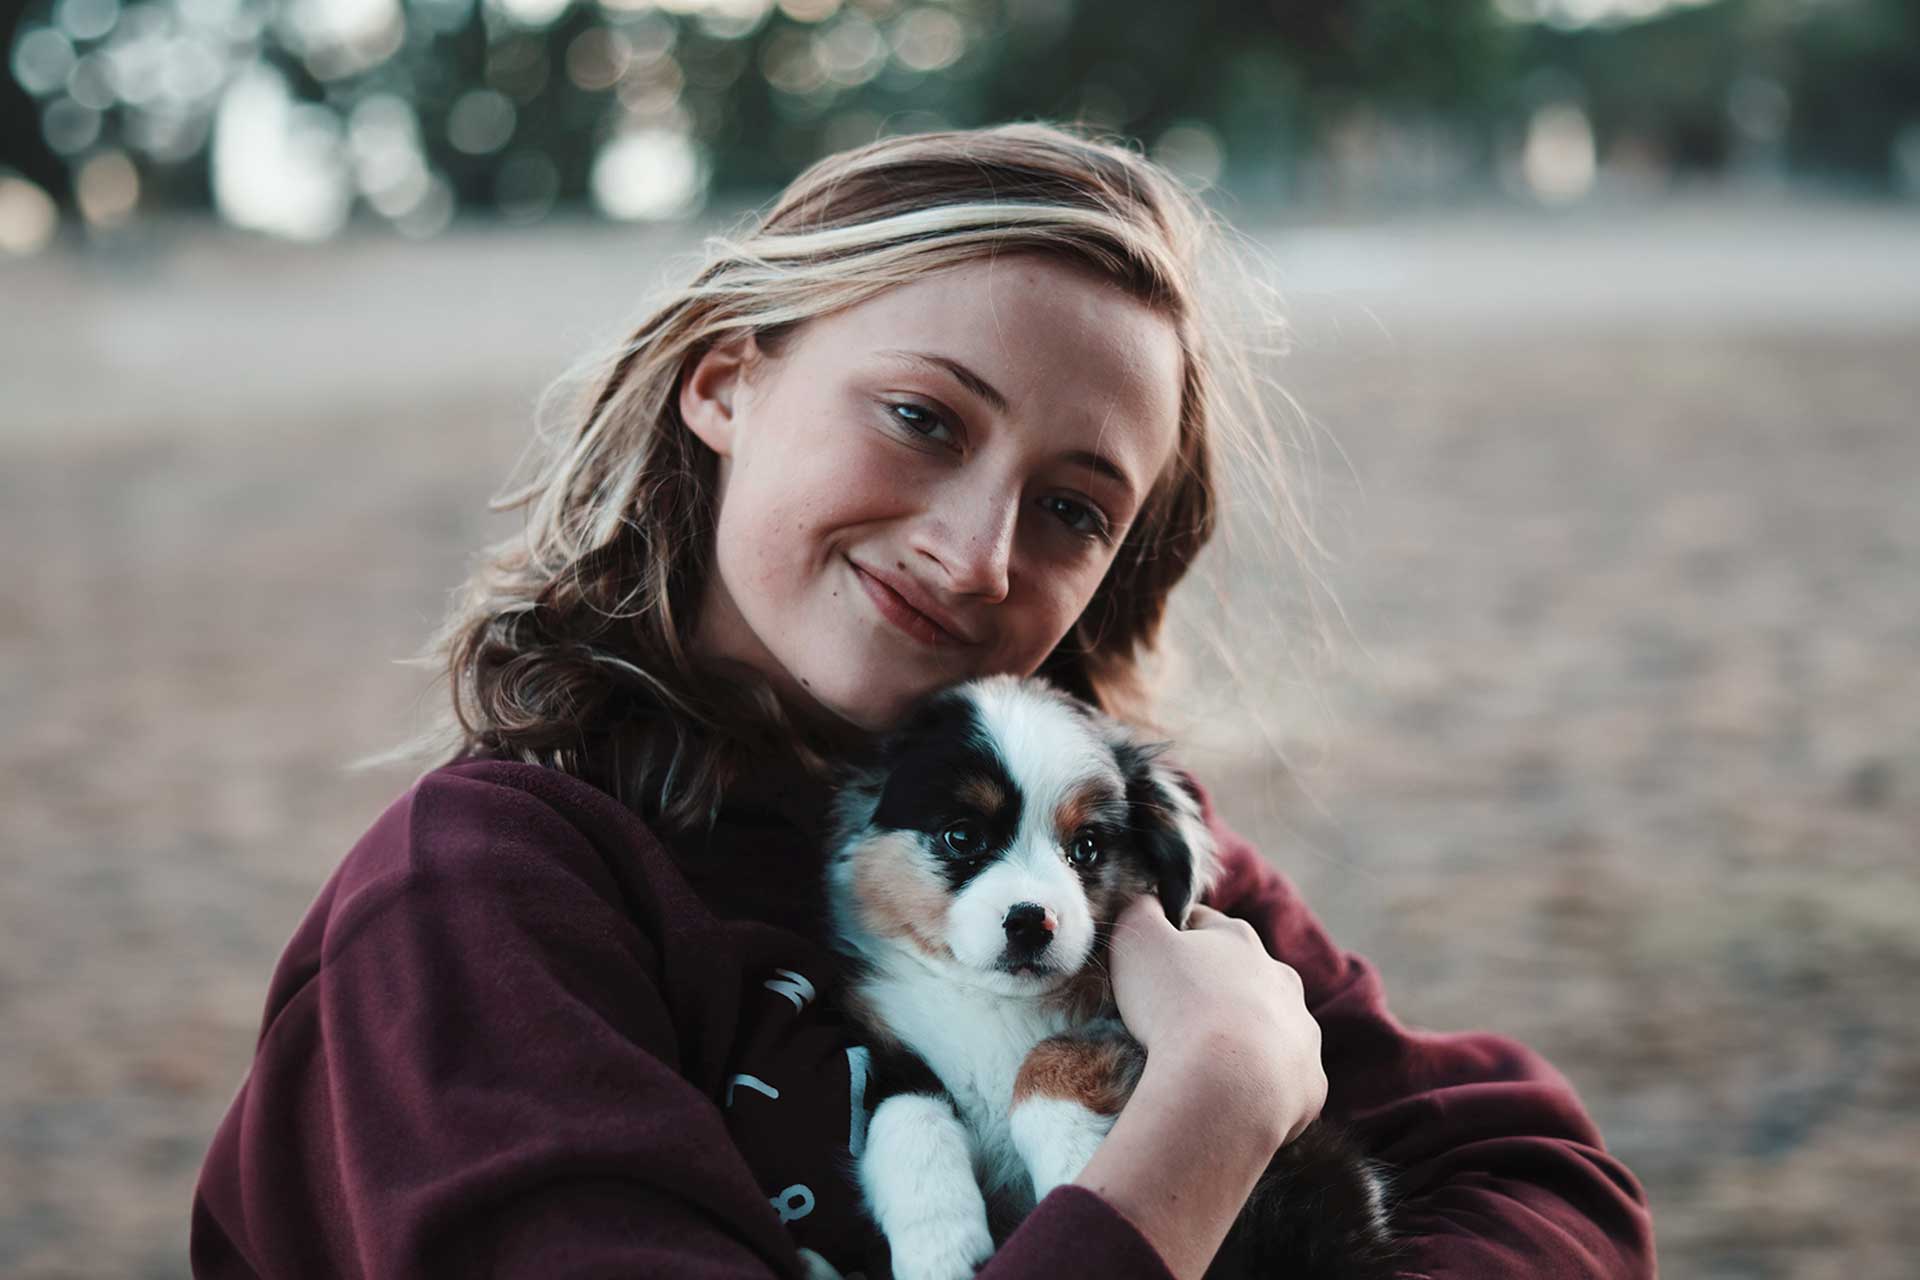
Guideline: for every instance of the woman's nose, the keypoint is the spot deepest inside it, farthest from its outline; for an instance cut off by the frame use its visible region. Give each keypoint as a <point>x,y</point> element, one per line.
<point>970,536</point>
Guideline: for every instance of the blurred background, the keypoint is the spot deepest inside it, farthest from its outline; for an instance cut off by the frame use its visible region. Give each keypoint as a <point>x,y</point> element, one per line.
<point>1603,361</point>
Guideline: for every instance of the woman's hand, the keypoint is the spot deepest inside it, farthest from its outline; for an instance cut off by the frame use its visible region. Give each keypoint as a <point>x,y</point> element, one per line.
<point>1233,1073</point>
<point>1211,1004</point>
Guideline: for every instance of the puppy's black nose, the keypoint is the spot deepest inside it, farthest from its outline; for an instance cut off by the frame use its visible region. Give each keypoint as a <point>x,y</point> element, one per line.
<point>1029,927</point>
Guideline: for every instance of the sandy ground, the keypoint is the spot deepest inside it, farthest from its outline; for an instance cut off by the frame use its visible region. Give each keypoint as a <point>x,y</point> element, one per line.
<point>1617,750</point>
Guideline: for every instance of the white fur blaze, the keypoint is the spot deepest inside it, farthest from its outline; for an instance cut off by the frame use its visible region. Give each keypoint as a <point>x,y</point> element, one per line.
<point>1056,1138</point>
<point>917,1174</point>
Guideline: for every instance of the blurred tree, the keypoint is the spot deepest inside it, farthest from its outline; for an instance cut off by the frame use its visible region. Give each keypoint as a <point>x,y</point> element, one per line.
<point>22,145</point>
<point>1830,84</point>
<point>416,107</point>
<point>1268,75</point>
<point>513,104</point>
<point>1854,78</point>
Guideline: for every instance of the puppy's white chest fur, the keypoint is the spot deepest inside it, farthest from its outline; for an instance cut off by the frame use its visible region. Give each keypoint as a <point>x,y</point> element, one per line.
<point>975,1041</point>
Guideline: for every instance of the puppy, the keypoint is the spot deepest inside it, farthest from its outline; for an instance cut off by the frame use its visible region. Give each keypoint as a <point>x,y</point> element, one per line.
<point>976,864</point>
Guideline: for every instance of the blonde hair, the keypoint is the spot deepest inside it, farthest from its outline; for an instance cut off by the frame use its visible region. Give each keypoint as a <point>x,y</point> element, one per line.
<point>569,645</point>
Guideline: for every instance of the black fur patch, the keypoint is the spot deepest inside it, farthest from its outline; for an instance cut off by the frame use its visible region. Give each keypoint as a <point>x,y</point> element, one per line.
<point>931,762</point>
<point>895,1071</point>
<point>1310,1216</point>
<point>1165,852</point>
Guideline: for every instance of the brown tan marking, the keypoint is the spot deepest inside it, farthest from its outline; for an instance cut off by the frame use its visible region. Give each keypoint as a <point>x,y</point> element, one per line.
<point>983,793</point>
<point>898,896</point>
<point>1082,805</point>
<point>1099,1074</point>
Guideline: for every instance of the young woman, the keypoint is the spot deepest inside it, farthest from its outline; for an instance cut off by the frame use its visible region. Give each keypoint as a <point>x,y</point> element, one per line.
<point>951,408</point>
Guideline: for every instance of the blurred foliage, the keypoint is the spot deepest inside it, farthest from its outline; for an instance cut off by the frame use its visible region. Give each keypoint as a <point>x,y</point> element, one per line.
<point>516,105</point>
<point>1834,82</point>
<point>1854,78</point>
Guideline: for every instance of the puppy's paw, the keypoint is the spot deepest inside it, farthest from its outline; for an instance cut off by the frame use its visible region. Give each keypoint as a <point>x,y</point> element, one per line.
<point>1056,1138</point>
<point>946,1246</point>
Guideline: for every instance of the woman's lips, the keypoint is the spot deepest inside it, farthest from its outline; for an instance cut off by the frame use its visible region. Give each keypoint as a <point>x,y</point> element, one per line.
<point>903,615</point>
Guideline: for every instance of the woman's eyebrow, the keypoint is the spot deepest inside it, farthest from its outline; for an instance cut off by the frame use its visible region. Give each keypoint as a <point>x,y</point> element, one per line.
<point>965,376</point>
<point>1098,463</point>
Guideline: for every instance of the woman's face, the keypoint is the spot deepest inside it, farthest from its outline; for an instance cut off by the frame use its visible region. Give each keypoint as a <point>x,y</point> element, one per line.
<point>928,486</point>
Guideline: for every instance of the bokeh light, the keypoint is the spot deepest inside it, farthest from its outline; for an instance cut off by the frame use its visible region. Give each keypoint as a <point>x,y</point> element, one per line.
<point>927,39</point>
<point>42,58</point>
<point>1559,158</point>
<point>533,15</point>
<point>29,218</point>
<point>87,19</point>
<point>1192,150</point>
<point>340,38</point>
<point>279,165</point>
<point>649,174</point>
<point>481,121</point>
<point>108,188</point>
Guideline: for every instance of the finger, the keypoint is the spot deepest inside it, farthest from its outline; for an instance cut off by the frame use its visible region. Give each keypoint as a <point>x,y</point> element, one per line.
<point>1144,912</point>
<point>1141,928</point>
<point>1205,917</point>
<point>1288,976</point>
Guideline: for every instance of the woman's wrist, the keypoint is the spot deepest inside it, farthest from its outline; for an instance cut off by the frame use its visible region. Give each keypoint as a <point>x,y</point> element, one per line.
<point>1186,1151</point>
<point>1219,1073</point>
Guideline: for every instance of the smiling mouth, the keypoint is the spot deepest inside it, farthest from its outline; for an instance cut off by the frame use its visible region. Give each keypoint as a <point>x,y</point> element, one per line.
<point>894,608</point>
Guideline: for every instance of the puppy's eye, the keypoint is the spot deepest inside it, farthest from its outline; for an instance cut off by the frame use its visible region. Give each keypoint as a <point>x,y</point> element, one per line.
<point>964,838</point>
<point>1085,849</point>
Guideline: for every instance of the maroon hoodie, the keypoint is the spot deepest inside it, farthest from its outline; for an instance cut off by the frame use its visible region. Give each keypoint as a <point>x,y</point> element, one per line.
<point>520,1035</point>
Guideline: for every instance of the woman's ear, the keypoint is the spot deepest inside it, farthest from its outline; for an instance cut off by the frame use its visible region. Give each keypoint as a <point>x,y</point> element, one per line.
<point>711,390</point>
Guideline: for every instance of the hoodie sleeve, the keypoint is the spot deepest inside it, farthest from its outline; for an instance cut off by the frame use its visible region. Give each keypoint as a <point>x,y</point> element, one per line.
<point>1499,1170</point>
<point>467,1068</point>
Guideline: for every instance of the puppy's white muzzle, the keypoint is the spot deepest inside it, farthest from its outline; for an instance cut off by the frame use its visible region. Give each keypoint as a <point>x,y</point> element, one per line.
<point>1025,913</point>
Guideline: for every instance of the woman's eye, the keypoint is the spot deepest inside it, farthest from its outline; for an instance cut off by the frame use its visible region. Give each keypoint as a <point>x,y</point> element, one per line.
<point>1080,518</point>
<point>917,420</point>
<point>963,838</point>
<point>1085,850</point>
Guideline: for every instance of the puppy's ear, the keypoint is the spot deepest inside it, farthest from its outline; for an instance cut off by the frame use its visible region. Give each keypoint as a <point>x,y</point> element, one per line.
<point>1173,837</point>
